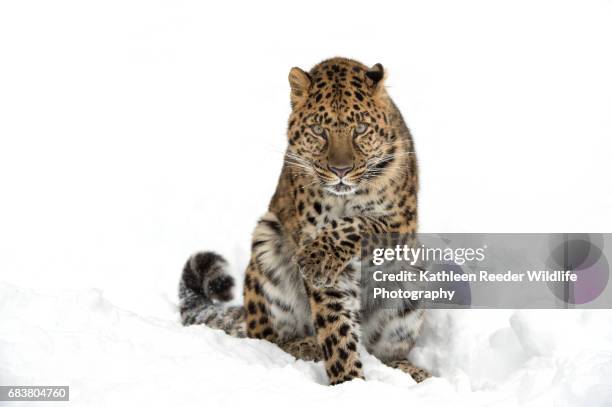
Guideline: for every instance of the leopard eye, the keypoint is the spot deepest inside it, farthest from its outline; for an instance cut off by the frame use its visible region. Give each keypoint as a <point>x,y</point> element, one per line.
<point>361,128</point>
<point>318,130</point>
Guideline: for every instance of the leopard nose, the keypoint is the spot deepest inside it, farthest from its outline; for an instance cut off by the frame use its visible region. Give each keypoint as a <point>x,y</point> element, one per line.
<point>340,171</point>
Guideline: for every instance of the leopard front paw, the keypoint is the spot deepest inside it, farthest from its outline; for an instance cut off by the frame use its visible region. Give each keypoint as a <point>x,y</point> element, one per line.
<point>311,266</point>
<point>320,263</point>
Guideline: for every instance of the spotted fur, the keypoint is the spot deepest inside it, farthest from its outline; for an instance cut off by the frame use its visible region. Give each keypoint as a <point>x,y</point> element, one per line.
<point>350,170</point>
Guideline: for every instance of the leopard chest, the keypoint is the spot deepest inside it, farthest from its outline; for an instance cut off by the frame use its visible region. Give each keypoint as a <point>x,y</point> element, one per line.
<point>322,211</point>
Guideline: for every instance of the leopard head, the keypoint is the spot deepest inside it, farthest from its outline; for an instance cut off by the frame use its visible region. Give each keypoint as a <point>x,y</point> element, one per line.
<point>339,130</point>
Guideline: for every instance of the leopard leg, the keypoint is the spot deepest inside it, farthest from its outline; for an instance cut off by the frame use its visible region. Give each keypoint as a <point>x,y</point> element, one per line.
<point>258,323</point>
<point>417,373</point>
<point>274,296</point>
<point>303,348</point>
<point>390,333</point>
<point>335,312</point>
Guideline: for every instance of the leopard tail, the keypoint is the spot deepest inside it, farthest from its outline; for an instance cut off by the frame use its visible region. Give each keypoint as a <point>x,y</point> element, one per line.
<point>204,289</point>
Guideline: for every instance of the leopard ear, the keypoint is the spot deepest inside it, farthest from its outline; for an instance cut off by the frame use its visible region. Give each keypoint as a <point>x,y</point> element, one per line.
<point>300,82</point>
<point>375,77</point>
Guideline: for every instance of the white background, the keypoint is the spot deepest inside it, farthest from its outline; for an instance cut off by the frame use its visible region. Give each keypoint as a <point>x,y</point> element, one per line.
<point>133,133</point>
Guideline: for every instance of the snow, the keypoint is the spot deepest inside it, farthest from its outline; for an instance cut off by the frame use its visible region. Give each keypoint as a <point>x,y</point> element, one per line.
<point>122,152</point>
<point>111,356</point>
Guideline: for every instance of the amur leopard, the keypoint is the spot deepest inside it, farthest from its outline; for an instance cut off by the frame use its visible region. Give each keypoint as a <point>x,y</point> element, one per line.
<point>350,169</point>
